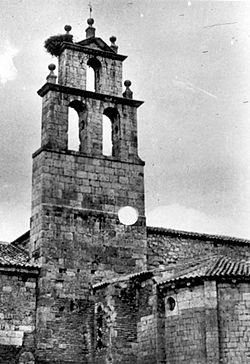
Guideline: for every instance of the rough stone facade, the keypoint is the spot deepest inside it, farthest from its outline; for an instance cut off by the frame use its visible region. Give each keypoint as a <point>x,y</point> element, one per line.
<point>165,247</point>
<point>193,322</point>
<point>92,289</point>
<point>17,313</point>
<point>234,319</point>
<point>73,68</point>
<point>75,234</point>
<point>196,319</point>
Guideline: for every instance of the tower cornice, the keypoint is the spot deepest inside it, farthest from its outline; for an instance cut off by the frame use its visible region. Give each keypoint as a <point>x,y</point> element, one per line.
<point>93,51</point>
<point>88,94</point>
<point>137,161</point>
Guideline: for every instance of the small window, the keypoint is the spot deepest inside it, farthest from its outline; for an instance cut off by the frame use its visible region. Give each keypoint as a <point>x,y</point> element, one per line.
<point>171,303</point>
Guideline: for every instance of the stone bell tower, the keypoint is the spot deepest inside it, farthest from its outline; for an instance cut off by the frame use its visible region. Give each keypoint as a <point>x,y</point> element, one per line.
<point>76,233</point>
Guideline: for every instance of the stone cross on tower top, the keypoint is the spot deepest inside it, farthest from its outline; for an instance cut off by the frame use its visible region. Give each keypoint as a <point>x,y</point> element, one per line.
<point>90,9</point>
<point>90,31</point>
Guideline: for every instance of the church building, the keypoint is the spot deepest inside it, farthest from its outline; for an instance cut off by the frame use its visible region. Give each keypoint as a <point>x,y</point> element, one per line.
<point>90,282</point>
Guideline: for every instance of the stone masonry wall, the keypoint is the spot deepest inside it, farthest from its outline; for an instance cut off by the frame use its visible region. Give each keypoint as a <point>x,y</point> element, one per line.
<point>119,334</point>
<point>55,125</point>
<point>77,237</point>
<point>147,324</point>
<point>234,322</point>
<point>17,315</point>
<point>83,223</point>
<point>75,231</point>
<point>165,248</point>
<point>64,324</point>
<point>185,332</point>
<point>129,333</point>
<point>72,72</point>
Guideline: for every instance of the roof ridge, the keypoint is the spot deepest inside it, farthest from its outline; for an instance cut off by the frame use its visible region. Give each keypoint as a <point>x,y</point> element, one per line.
<point>196,266</point>
<point>196,234</point>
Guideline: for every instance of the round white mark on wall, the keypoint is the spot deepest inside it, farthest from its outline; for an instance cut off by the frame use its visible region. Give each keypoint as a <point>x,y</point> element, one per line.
<point>128,215</point>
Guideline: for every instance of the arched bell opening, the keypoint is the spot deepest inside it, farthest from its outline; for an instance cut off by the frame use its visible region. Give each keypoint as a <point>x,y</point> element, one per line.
<point>111,132</point>
<point>77,122</point>
<point>93,75</point>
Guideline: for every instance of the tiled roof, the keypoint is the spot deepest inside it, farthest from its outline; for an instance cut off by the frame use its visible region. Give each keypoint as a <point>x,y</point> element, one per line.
<point>195,235</point>
<point>11,255</point>
<point>210,266</point>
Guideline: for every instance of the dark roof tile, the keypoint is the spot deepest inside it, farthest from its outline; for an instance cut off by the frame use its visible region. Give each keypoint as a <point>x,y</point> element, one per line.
<point>211,266</point>
<point>12,255</point>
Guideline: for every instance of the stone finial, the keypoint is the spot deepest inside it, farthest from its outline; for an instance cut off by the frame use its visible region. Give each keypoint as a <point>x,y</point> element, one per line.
<point>68,37</point>
<point>51,78</point>
<point>90,21</point>
<point>128,94</point>
<point>67,28</point>
<point>90,31</point>
<point>113,45</point>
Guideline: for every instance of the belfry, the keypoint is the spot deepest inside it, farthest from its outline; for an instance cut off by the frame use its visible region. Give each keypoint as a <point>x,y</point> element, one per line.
<point>76,235</point>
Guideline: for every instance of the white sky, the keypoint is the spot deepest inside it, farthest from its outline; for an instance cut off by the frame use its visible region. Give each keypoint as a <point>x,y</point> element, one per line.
<point>188,60</point>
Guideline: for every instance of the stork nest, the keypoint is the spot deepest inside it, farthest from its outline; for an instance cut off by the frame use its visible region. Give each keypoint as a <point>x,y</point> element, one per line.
<point>53,44</point>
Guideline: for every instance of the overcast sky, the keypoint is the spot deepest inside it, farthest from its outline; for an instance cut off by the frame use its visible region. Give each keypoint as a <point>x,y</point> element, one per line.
<point>188,60</point>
